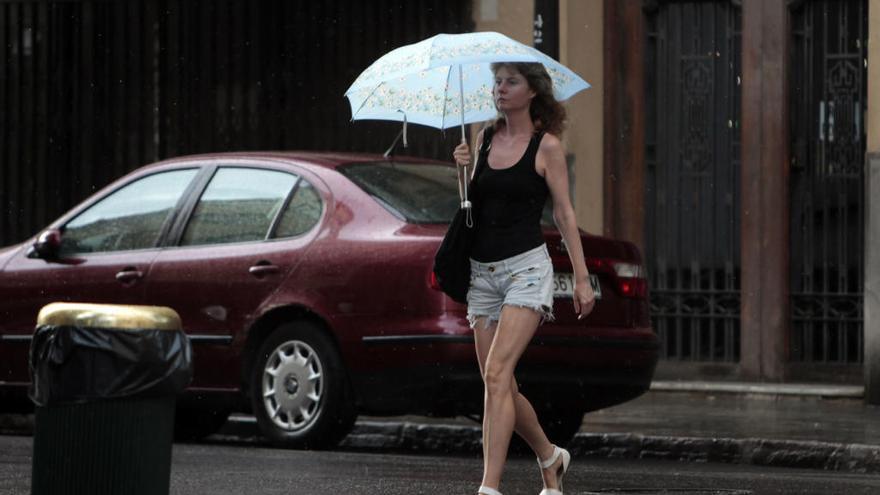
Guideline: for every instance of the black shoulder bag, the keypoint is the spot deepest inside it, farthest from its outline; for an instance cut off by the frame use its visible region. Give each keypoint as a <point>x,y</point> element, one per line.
<point>452,264</point>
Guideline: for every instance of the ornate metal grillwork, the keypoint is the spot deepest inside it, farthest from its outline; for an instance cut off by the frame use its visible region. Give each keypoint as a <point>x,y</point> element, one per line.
<point>828,88</point>
<point>692,189</point>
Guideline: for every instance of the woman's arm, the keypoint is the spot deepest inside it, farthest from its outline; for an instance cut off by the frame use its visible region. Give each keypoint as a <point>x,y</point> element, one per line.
<point>551,161</point>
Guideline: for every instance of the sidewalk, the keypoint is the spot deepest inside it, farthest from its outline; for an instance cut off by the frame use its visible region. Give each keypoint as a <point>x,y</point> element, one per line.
<point>824,427</point>
<point>805,426</point>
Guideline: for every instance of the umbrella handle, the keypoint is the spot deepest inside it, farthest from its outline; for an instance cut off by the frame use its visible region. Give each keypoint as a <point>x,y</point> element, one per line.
<point>467,205</point>
<point>463,180</point>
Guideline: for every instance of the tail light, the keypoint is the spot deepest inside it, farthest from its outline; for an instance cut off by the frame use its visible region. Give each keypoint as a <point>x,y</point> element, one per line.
<point>433,283</point>
<point>631,279</point>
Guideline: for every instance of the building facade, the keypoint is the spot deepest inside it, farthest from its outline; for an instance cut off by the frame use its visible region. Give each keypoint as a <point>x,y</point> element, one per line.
<point>729,140</point>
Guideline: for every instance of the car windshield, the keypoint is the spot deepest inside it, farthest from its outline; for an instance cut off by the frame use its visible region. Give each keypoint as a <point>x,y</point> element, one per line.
<point>415,192</point>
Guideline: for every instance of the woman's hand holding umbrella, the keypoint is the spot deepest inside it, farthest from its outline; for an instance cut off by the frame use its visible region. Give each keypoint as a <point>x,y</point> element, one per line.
<point>462,154</point>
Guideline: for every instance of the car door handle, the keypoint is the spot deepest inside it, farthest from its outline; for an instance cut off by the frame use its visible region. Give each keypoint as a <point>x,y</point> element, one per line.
<point>128,275</point>
<point>261,270</point>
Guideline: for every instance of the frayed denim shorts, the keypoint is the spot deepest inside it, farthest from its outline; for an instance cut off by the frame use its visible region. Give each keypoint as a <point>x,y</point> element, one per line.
<point>524,280</point>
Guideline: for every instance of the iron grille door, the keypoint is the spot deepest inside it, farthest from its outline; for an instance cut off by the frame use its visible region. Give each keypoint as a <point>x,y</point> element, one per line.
<point>692,181</point>
<point>828,87</point>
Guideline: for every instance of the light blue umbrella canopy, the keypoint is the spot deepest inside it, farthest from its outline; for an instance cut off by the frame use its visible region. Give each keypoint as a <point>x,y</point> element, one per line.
<point>446,80</point>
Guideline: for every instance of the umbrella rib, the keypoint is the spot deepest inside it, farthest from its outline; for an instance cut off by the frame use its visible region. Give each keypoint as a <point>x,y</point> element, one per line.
<point>353,114</point>
<point>445,100</point>
<point>431,50</point>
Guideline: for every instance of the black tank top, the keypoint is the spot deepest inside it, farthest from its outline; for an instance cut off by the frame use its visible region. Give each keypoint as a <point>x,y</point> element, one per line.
<point>508,212</point>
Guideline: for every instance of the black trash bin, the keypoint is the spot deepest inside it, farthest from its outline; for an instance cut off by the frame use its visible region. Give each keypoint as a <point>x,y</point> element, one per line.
<point>104,381</point>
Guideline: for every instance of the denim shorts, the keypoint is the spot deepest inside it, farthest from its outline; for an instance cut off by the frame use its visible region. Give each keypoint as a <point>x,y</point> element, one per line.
<point>524,280</point>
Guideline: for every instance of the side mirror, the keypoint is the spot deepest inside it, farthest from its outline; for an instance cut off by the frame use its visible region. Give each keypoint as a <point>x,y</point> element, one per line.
<point>48,245</point>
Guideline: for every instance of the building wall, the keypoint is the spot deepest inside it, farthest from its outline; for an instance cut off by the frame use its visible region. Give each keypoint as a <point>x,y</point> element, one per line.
<point>873,121</point>
<point>91,89</point>
<point>510,17</point>
<point>766,37</point>
<point>872,209</point>
<point>580,48</point>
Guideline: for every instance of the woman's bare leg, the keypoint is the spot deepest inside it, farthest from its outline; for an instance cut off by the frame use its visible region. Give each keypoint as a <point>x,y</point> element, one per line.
<point>512,335</point>
<point>526,425</point>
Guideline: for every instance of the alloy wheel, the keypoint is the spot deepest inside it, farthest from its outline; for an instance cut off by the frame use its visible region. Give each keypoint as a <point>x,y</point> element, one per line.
<point>293,386</point>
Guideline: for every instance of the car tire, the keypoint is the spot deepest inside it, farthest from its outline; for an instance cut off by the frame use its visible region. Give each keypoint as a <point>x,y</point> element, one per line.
<point>561,426</point>
<point>300,392</point>
<point>196,424</point>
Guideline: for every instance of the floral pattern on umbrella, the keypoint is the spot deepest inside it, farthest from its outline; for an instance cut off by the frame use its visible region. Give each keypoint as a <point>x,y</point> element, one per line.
<point>422,83</point>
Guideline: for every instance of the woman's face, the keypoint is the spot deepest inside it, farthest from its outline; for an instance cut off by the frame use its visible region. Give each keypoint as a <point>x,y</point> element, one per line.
<point>511,90</point>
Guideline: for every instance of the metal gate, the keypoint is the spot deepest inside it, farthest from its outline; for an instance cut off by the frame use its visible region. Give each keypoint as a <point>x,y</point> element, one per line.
<point>692,198</point>
<point>828,88</point>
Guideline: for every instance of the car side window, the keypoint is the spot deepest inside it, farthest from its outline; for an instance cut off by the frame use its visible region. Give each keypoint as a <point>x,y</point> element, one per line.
<point>129,218</point>
<point>239,205</point>
<point>302,213</point>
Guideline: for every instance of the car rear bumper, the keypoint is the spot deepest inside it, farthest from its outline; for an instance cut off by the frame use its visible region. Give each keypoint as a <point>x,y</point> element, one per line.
<point>438,374</point>
<point>452,391</point>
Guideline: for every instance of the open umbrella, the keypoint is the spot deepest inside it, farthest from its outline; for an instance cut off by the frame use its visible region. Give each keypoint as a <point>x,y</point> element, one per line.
<point>446,80</point>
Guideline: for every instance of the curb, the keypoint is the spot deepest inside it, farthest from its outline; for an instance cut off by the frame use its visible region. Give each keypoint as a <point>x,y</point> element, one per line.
<point>416,437</point>
<point>751,388</point>
<point>854,458</point>
<point>16,424</point>
<point>446,439</point>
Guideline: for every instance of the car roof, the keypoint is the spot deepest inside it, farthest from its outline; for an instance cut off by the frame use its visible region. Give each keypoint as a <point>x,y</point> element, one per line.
<point>326,159</point>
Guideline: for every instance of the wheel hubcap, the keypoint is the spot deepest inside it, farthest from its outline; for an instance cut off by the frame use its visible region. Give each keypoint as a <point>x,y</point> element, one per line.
<point>293,385</point>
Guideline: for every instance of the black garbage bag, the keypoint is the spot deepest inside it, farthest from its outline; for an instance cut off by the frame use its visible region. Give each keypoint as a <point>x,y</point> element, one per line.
<point>74,364</point>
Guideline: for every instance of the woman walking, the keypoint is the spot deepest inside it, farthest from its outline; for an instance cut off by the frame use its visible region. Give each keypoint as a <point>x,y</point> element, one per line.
<point>511,291</point>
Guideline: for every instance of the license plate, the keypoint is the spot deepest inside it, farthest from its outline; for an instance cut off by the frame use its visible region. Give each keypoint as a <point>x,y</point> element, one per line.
<point>563,285</point>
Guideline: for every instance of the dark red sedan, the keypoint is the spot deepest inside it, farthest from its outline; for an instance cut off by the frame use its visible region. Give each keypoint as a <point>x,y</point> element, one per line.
<point>304,282</point>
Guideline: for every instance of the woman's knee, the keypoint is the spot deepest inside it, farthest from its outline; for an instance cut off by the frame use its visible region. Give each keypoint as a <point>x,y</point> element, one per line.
<point>514,388</point>
<point>497,380</point>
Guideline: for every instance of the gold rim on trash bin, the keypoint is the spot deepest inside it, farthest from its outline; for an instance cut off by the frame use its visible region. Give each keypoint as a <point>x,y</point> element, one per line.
<point>109,316</point>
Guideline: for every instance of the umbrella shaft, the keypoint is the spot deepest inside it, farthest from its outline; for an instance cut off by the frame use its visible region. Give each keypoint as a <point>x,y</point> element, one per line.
<point>461,101</point>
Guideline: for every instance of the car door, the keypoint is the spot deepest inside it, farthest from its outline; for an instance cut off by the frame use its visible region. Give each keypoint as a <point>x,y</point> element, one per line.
<point>105,254</point>
<point>233,251</point>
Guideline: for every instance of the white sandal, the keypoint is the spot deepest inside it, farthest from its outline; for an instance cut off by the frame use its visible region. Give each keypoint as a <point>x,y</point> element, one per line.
<point>485,490</point>
<point>566,459</point>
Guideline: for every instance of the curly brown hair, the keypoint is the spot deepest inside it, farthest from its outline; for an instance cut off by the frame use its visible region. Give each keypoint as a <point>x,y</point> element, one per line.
<point>547,114</point>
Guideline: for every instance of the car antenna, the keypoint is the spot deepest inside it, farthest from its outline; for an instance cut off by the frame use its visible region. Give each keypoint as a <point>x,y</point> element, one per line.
<point>390,151</point>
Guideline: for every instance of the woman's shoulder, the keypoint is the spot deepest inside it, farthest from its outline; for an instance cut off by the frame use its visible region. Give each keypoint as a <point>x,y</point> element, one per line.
<point>485,133</point>
<point>550,143</point>
<point>480,135</point>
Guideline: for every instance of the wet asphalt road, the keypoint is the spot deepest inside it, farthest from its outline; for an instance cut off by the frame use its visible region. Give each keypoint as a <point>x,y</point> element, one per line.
<point>230,468</point>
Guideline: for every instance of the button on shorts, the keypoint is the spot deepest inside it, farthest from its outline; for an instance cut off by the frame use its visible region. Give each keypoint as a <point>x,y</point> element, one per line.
<point>524,280</point>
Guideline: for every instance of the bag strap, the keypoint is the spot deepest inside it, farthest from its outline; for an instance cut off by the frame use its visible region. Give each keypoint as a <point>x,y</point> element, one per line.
<point>482,158</point>
<point>483,155</point>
